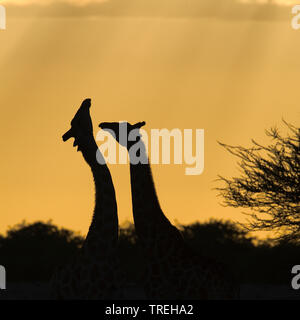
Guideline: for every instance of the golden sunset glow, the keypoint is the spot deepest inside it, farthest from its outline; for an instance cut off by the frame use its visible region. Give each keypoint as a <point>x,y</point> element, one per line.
<point>232,77</point>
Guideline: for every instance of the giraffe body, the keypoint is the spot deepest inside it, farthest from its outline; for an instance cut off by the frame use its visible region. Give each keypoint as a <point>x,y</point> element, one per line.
<point>87,279</point>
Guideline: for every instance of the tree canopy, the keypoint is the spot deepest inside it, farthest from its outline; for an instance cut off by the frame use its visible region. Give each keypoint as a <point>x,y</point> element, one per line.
<point>269,183</point>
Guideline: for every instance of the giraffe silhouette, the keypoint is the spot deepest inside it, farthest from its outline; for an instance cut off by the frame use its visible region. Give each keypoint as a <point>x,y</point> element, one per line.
<point>173,270</point>
<point>95,273</point>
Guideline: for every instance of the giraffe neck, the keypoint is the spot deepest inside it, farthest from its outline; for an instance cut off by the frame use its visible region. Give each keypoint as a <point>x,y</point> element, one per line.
<point>102,236</point>
<point>149,218</point>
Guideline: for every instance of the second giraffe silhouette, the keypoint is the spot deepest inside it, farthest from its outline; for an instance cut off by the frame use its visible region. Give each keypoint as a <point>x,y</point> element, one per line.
<point>173,270</point>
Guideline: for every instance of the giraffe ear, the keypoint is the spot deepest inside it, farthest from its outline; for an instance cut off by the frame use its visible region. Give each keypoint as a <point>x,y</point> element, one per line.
<point>103,125</point>
<point>139,125</point>
<point>67,135</point>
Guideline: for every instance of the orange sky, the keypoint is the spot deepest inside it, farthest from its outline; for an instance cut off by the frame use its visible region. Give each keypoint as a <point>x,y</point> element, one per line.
<point>233,78</point>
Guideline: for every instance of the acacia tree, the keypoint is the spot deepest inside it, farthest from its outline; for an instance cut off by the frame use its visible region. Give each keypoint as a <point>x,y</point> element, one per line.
<point>269,184</point>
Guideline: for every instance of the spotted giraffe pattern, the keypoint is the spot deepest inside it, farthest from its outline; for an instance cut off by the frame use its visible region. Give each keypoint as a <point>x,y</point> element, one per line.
<point>173,270</point>
<point>95,273</point>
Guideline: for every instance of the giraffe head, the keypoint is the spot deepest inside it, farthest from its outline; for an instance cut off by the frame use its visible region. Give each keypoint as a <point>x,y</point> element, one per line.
<point>81,125</point>
<point>121,130</point>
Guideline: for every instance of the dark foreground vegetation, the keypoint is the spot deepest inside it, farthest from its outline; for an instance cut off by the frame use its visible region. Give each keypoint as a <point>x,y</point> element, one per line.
<point>30,252</point>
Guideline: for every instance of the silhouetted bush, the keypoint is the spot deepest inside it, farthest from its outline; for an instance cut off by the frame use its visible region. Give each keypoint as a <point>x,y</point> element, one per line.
<point>30,252</point>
